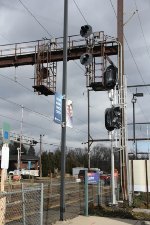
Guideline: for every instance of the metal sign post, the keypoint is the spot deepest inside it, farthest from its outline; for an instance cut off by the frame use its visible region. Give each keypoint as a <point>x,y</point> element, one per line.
<point>63,130</point>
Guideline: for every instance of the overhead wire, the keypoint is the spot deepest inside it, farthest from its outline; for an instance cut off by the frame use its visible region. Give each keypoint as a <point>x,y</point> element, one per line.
<point>50,118</point>
<point>26,88</point>
<point>26,108</point>
<point>29,11</point>
<point>140,23</point>
<point>80,11</point>
<point>32,92</point>
<point>26,123</point>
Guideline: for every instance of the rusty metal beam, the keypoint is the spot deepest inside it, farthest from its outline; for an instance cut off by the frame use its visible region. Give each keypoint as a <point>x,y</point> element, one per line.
<point>57,55</point>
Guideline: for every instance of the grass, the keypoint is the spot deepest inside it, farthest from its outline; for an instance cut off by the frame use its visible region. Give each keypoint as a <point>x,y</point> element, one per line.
<point>124,213</point>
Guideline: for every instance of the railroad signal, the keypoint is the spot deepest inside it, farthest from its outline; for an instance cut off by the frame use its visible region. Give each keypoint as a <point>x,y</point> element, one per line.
<point>113,118</point>
<point>86,31</point>
<point>33,142</point>
<point>86,59</point>
<point>110,77</point>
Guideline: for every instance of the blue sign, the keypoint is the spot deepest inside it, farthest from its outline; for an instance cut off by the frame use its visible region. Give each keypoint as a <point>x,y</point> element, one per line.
<point>93,178</point>
<point>6,132</point>
<point>6,135</point>
<point>58,108</point>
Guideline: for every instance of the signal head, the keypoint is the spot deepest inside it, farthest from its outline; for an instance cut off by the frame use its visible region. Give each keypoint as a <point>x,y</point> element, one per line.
<point>110,77</point>
<point>86,31</point>
<point>86,59</point>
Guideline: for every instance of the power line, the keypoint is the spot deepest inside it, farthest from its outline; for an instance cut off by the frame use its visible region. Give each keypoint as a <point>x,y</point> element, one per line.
<point>33,111</point>
<point>26,108</point>
<point>29,11</point>
<point>113,8</point>
<point>32,92</point>
<point>46,29</point>
<point>33,125</point>
<point>26,88</point>
<point>135,62</point>
<point>80,11</point>
<point>140,22</point>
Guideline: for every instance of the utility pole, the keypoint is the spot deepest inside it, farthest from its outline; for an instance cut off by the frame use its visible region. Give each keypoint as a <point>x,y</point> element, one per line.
<point>40,155</point>
<point>64,97</point>
<point>133,102</point>
<point>19,148</point>
<point>123,144</point>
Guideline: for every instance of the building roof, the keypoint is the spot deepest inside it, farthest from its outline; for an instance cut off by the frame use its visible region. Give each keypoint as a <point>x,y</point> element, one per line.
<point>23,158</point>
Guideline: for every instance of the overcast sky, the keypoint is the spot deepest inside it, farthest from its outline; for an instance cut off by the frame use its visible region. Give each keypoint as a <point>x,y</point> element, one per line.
<point>17,25</point>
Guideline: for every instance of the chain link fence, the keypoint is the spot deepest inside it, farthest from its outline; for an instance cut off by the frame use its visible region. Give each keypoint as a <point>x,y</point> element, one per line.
<point>39,203</point>
<point>22,207</point>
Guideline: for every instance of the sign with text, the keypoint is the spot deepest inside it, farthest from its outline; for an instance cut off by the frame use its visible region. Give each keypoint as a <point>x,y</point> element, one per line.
<point>93,178</point>
<point>58,108</point>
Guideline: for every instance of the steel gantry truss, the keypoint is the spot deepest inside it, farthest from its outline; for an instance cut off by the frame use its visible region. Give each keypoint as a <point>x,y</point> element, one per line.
<point>45,54</point>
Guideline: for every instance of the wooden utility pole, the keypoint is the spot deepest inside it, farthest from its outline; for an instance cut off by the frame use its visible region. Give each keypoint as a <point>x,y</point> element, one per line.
<point>123,141</point>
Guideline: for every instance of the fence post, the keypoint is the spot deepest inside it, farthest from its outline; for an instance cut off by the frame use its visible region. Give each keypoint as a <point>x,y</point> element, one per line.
<point>101,192</point>
<point>41,219</point>
<point>23,205</point>
<point>98,192</point>
<point>86,193</point>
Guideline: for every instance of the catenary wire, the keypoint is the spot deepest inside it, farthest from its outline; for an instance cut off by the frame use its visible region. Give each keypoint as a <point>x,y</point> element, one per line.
<point>50,118</point>
<point>29,11</point>
<point>26,88</point>
<point>140,22</point>
<point>31,91</point>
<point>26,123</point>
<point>80,11</point>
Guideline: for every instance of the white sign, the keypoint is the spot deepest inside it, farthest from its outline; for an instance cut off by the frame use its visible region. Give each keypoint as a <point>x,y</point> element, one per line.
<point>69,114</point>
<point>5,157</point>
<point>140,177</point>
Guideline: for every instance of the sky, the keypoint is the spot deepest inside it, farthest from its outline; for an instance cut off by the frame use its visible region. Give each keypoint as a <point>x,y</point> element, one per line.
<point>26,20</point>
